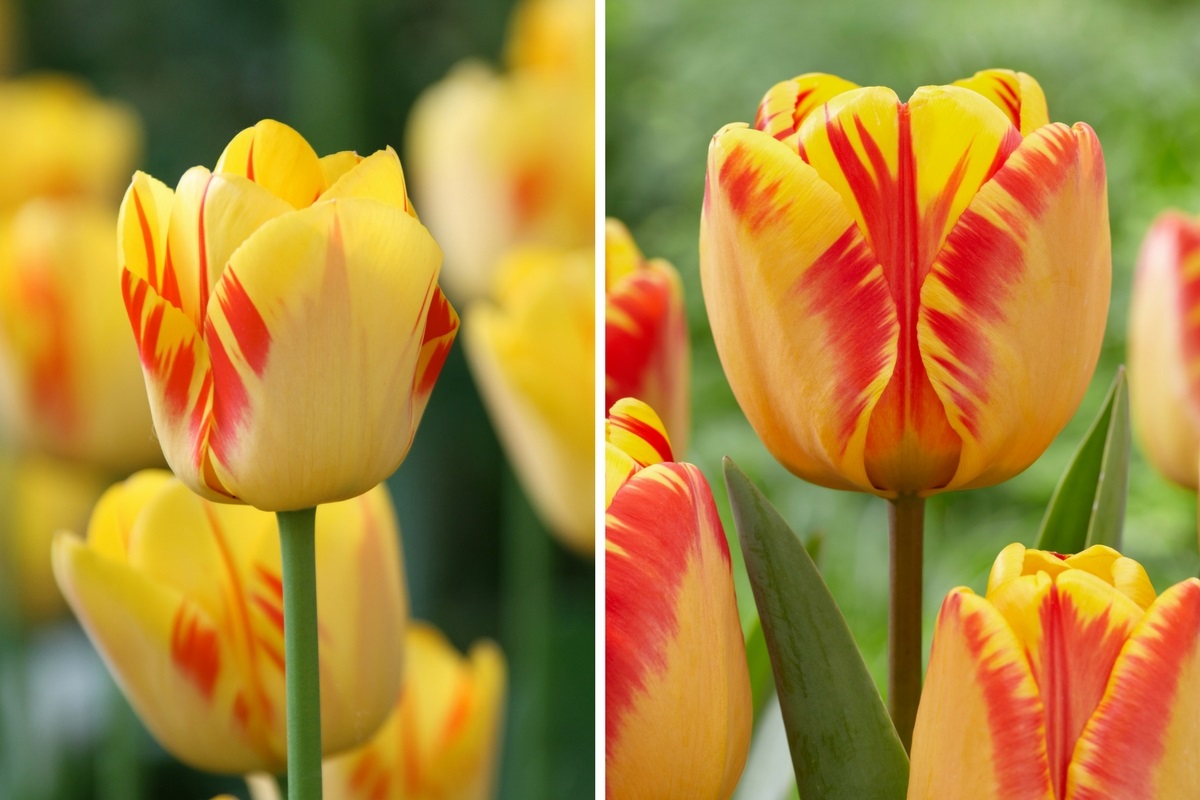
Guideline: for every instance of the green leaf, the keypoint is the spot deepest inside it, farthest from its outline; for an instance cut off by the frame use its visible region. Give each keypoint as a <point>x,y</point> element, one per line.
<point>842,742</point>
<point>1088,505</point>
<point>762,683</point>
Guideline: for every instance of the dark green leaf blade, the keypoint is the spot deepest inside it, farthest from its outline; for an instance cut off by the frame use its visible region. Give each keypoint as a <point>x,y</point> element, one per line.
<point>842,742</point>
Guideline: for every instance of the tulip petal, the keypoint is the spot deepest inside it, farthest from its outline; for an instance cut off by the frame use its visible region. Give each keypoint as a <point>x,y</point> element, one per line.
<point>634,428</point>
<point>1141,742</point>
<point>776,241</point>
<point>1018,95</point>
<point>343,326</point>
<point>379,176</point>
<point>172,663</point>
<point>277,158</point>
<point>1027,263</point>
<point>142,233</point>
<point>335,165</point>
<point>441,328</point>
<point>787,104</point>
<point>677,688</point>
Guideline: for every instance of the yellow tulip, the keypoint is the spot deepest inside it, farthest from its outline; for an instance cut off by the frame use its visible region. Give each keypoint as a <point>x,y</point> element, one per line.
<point>183,599</point>
<point>41,496</point>
<point>443,735</point>
<point>677,688</point>
<point>72,385</point>
<point>532,354</point>
<point>59,140</point>
<point>288,317</point>
<point>1164,345</point>
<point>1070,680</point>
<point>506,160</point>
<point>646,333</point>
<point>906,297</point>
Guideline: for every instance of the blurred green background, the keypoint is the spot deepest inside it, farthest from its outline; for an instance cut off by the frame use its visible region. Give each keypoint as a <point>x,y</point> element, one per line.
<point>678,70</point>
<point>478,564</point>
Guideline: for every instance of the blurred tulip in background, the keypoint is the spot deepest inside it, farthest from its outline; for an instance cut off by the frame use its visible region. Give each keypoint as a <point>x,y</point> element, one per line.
<point>646,333</point>
<point>442,738</point>
<point>1070,679</point>
<point>182,597</point>
<point>227,334</point>
<point>882,278</point>
<point>677,689</point>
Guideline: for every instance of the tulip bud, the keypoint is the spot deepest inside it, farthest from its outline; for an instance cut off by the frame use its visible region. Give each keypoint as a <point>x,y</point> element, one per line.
<point>677,688</point>
<point>183,599</point>
<point>882,278</point>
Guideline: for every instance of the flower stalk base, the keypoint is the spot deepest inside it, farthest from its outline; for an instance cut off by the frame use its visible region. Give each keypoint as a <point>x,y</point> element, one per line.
<point>906,533</point>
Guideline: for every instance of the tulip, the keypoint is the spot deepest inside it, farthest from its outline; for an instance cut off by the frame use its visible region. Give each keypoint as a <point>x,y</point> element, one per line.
<point>502,160</point>
<point>1070,679</point>
<point>677,688</point>
<point>441,740</point>
<point>182,597</point>
<point>58,140</point>
<point>910,297</point>
<point>288,316</point>
<point>646,334</point>
<point>532,354</point>
<point>72,384</point>
<point>1163,348</point>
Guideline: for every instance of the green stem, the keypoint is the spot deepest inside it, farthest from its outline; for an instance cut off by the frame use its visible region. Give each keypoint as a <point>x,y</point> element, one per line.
<point>906,532</point>
<point>297,539</point>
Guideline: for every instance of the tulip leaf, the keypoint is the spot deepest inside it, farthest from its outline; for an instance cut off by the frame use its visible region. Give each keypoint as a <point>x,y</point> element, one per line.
<point>762,683</point>
<point>841,740</point>
<point>1088,505</point>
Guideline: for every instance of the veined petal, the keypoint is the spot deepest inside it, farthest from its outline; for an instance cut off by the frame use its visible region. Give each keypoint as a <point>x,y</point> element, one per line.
<point>787,104</point>
<point>354,265</point>
<point>980,729</point>
<point>677,689</point>
<point>277,158</point>
<point>776,241</point>
<point>142,232</point>
<point>1141,742</point>
<point>1027,263</point>
<point>379,176</point>
<point>212,215</point>
<point>1018,95</point>
<point>168,655</point>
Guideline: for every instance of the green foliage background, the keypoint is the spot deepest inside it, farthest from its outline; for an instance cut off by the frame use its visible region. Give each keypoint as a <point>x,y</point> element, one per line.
<point>680,69</point>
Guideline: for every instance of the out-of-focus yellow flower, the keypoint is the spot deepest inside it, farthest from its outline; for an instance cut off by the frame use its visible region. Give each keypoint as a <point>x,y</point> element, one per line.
<point>288,316</point>
<point>443,736</point>
<point>677,688</point>
<point>183,599</point>
<point>532,354</point>
<point>1070,679</point>
<point>1164,347</point>
<point>501,160</point>
<point>69,378</point>
<point>39,496</point>
<point>907,297</point>
<point>646,333</point>
<point>57,139</point>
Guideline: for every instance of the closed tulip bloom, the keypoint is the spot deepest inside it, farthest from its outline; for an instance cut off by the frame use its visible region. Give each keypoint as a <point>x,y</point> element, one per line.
<point>1164,346</point>
<point>1069,680</point>
<point>71,383</point>
<point>443,735</point>
<point>645,333</point>
<point>677,689</point>
<point>183,600</point>
<point>532,353</point>
<point>907,297</point>
<point>288,317</point>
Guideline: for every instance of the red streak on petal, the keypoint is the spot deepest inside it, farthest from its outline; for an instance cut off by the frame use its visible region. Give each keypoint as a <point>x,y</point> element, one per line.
<point>179,377</point>
<point>170,287</point>
<point>1042,172</point>
<point>249,328</point>
<point>1187,256</point>
<point>202,255</point>
<point>369,779</point>
<point>270,609</point>
<point>250,157</point>
<point>147,242</point>
<point>460,711</point>
<point>632,345</point>
<point>195,650</point>
<point>647,433</point>
<point>755,203</point>
<point>241,710</point>
<point>230,401</point>
<point>1008,95</point>
<point>272,581</point>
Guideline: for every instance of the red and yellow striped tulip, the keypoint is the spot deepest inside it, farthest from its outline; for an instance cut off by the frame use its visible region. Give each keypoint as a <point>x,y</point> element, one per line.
<point>1164,348</point>
<point>645,333</point>
<point>677,689</point>
<point>882,278</point>
<point>288,317</point>
<point>443,736</point>
<point>183,599</point>
<point>532,352</point>
<point>71,382</point>
<point>1070,680</point>
<point>505,160</point>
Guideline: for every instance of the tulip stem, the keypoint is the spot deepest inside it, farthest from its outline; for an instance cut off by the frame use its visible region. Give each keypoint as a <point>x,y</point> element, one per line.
<point>297,539</point>
<point>906,531</point>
